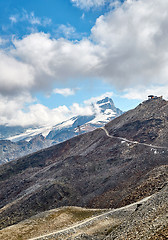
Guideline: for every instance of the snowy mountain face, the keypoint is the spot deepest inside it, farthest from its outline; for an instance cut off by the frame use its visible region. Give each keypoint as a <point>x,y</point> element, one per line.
<point>9,131</point>
<point>103,111</point>
<point>34,139</point>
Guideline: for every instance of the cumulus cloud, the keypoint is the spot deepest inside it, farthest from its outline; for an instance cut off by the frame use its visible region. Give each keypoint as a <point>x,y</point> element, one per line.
<point>142,93</point>
<point>115,4</point>
<point>15,75</point>
<point>82,110</point>
<point>24,111</point>
<point>127,47</point>
<point>133,37</point>
<point>55,60</point>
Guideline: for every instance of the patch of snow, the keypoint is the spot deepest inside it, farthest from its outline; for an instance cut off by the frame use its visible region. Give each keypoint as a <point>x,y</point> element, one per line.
<point>154,151</point>
<point>30,133</point>
<point>110,112</point>
<point>101,104</point>
<point>65,124</point>
<point>101,118</point>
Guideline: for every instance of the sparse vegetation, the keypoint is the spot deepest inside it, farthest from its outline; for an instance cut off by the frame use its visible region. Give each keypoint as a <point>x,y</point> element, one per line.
<point>47,222</point>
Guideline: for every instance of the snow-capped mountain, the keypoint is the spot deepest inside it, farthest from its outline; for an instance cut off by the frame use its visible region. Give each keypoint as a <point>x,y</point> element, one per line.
<point>33,139</point>
<point>104,111</point>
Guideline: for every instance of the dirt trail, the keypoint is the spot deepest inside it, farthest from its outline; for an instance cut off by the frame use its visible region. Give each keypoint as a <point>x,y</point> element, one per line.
<point>134,142</point>
<point>90,220</point>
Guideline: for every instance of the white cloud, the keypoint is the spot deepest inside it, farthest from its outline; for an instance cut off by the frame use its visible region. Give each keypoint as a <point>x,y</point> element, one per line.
<point>15,75</point>
<point>23,110</point>
<point>88,3</point>
<point>13,19</point>
<point>41,115</point>
<point>82,110</point>
<point>95,99</point>
<point>33,19</point>
<point>128,47</point>
<point>64,91</point>
<point>115,4</point>
<point>67,31</point>
<point>55,60</point>
<point>142,93</point>
<point>134,38</point>
<point>25,16</point>
<point>83,16</point>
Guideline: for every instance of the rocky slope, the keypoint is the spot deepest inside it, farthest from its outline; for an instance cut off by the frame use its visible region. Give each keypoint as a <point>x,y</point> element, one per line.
<point>146,219</point>
<point>91,170</point>
<point>147,123</point>
<point>149,221</point>
<point>27,141</point>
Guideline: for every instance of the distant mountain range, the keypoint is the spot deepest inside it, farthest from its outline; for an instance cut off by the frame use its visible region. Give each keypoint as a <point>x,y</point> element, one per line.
<point>18,141</point>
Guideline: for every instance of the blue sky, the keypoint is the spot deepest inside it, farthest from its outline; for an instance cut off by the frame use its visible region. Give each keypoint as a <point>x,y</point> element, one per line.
<point>55,54</point>
<point>59,12</point>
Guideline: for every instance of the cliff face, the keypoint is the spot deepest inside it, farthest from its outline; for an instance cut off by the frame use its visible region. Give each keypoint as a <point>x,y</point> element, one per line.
<point>106,168</point>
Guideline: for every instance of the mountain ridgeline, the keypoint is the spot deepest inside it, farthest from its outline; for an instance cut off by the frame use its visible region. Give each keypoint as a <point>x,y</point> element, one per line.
<point>17,141</point>
<point>109,167</point>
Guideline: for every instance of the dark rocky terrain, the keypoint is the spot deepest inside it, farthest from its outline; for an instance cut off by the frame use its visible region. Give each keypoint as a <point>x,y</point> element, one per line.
<point>91,170</point>
<point>149,221</point>
<point>24,141</point>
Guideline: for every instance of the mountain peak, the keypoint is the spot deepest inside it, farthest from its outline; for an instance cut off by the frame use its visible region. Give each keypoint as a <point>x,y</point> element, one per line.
<point>105,100</point>
<point>108,104</point>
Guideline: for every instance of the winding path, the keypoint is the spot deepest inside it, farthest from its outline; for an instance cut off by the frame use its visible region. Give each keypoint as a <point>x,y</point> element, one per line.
<point>77,226</point>
<point>134,142</point>
<point>88,221</point>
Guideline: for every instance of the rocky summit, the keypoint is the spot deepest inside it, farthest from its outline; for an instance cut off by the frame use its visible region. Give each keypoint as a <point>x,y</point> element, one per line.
<point>110,167</point>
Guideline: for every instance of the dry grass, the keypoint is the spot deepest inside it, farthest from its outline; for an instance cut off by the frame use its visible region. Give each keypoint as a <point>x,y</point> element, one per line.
<point>47,222</point>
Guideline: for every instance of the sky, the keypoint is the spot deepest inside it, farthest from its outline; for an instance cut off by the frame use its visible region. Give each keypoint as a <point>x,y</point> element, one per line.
<point>56,55</point>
